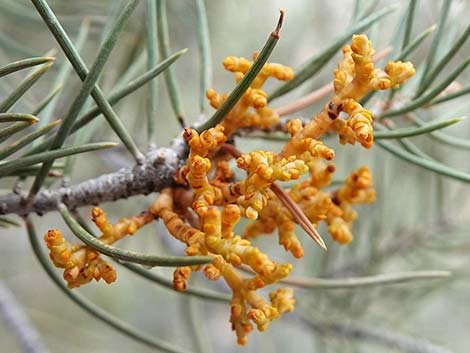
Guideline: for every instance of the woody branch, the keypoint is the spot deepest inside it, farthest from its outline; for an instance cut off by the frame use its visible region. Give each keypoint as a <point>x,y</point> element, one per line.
<point>154,174</point>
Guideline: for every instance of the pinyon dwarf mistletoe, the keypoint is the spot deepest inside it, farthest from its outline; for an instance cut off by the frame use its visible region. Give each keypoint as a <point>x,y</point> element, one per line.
<point>211,194</point>
<point>206,203</point>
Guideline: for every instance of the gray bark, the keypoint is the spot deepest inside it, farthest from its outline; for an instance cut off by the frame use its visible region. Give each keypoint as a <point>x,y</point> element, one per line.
<point>154,174</point>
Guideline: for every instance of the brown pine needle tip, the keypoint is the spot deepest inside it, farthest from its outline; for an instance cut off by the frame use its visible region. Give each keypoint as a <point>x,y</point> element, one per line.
<point>299,216</point>
<point>275,34</point>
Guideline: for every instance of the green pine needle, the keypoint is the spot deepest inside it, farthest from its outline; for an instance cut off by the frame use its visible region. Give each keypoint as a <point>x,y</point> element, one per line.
<point>410,132</point>
<point>433,166</point>
<point>46,101</point>
<point>56,170</point>
<point>406,51</point>
<point>152,59</point>
<point>366,281</point>
<point>115,97</point>
<point>430,57</point>
<point>79,66</point>
<point>416,103</point>
<point>91,308</point>
<point>10,166</point>
<point>64,71</point>
<point>204,44</point>
<point>164,48</point>
<point>27,139</point>
<point>129,88</point>
<point>135,67</point>
<point>409,23</point>
<point>23,64</point>
<point>87,87</point>
<point>356,9</point>
<point>246,81</point>
<point>10,117</point>
<point>444,138</point>
<point>450,96</point>
<point>23,87</point>
<point>9,131</point>
<point>124,255</point>
<point>369,9</point>
<point>426,82</point>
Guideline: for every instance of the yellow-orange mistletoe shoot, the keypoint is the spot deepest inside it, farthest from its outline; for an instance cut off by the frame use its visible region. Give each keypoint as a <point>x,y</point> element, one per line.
<point>205,206</point>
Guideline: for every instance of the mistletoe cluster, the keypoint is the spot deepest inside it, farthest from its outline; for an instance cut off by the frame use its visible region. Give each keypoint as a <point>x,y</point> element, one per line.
<point>207,202</point>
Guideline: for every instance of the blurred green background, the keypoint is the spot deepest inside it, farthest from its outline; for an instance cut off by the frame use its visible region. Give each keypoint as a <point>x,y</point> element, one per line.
<point>420,220</point>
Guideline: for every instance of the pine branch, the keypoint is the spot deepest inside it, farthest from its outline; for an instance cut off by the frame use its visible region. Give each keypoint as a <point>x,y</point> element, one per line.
<point>155,173</point>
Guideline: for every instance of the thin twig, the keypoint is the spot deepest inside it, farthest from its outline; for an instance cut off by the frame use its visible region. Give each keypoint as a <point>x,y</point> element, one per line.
<point>18,321</point>
<point>400,244</point>
<point>307,100</point>
<point>247,79</point>
<point>372,335</point>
